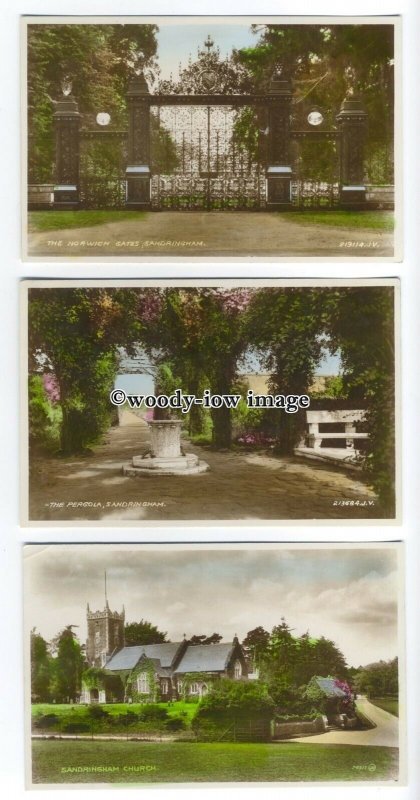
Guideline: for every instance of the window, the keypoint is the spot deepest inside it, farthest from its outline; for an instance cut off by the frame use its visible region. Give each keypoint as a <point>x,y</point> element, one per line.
<point>194,688</point>
<point>204,689</point>
<point>164,687</point>
<point>180,687</point>
<point>97,637</point>
<point>237,670</point>
<point>143,683</point>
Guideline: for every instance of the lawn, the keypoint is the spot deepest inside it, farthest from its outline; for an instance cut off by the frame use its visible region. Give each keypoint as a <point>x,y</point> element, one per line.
<point>177,762</point>
<point>62,220</point>
<point>389,704</point>
<point>369,220</point>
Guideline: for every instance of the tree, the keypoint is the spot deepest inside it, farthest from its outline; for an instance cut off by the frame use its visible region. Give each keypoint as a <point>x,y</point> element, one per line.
<point>326,63</point>
<point>99,59</point>
<point>215,638</point>
<point>143,632</point>
<point>202,334</point>
<point>286,325</point>
<point>67,666</point>
<point>40,669</point>
<point>360,322</point>
<point>288,662</point>
<point>378,679</point>
<point>256,643</point>
<point>75,334</point>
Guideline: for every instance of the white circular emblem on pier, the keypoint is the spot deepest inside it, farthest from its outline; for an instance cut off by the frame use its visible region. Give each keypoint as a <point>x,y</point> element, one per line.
<point>103,118</point>
<point>315,118</point>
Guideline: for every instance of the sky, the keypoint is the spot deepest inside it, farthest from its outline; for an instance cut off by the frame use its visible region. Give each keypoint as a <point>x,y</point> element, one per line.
<point>176,42</point>
<point>347,595</point>
<point>142,383</point>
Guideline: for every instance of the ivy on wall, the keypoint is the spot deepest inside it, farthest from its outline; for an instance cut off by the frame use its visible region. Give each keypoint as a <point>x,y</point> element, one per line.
<point>194,677</point>
<point>144,666</point>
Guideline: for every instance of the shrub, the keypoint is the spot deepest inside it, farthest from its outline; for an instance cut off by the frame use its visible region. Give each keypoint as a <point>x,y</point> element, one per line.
<point>175,724</point>
<point>229,700</point>
<point>97,713</point>
<point>44,416</point>
<point>129,718</point>
<point>153,713</point>
<point>76,727</point>
<point>47,721</point>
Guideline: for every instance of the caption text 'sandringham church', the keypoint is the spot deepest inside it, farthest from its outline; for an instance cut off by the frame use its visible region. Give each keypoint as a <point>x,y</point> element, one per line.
<point>290,403</point>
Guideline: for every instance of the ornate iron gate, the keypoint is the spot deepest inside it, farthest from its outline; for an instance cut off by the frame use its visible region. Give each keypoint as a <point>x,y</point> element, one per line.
<point>103,157</point>
<point>210,170</point>
<point>182,151</point>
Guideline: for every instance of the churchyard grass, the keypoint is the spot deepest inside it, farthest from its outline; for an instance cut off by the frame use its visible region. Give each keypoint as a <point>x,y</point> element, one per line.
<point>389,704</point>
<point>371,220</point>
<point>62,220</point>
<point>178,762</point>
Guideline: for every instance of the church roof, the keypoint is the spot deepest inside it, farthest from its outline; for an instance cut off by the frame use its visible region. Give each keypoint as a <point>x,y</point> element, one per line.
<point>128,657</point>
<point>205,658</point>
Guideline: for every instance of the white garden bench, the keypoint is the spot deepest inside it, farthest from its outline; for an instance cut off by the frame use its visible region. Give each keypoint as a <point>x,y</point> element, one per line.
<point>315,443</point>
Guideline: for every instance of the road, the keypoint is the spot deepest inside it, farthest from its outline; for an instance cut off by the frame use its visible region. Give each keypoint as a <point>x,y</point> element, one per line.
<point>385,734</point>
<point>221,234</point>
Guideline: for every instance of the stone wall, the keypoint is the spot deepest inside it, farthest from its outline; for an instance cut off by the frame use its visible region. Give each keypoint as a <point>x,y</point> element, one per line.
<point>287,730</point>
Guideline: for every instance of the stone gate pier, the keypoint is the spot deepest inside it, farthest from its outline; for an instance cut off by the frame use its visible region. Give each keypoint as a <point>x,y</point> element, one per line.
<point>166,456</point>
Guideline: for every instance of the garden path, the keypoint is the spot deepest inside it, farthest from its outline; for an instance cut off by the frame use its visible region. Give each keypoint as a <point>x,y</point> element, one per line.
<point>226,234</point>
<point>240,485</point>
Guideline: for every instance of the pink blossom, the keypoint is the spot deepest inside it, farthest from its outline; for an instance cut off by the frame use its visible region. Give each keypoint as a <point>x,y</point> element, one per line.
<point>151,304</point>
<point>51,387</point>
<point>234,301</point>
<point>256,439</point>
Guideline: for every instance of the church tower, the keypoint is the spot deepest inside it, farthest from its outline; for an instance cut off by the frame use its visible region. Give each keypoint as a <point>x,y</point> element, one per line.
<point>105,633</point>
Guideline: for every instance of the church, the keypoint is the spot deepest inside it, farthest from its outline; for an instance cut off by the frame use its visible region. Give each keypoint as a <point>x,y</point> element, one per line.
<point>152,672</point>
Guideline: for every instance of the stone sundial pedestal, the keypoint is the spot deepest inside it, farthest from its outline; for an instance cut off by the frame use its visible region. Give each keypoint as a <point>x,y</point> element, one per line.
<point>165,456</point>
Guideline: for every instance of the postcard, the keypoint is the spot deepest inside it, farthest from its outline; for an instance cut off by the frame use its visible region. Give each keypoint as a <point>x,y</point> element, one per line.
<point>254,401</point>
<point>293,673</point>
<point>216,137</point>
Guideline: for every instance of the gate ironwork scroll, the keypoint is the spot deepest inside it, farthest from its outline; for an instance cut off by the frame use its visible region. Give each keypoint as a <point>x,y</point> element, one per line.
<point>210,170</point>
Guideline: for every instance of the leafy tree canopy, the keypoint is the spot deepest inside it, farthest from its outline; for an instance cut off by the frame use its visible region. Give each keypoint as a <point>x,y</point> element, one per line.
<point>143,632</point>
<point>215,638</point>
<point>67,666</point>
<point>98,59</point>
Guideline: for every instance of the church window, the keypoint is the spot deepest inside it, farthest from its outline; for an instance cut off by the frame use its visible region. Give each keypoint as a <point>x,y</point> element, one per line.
<point>204,689</point>
<point>164,687</point>
<point>143,683</point>
<point>97,637</point>
<point>237,670</point>
<point>194,688</point>
<point>180,687</point>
